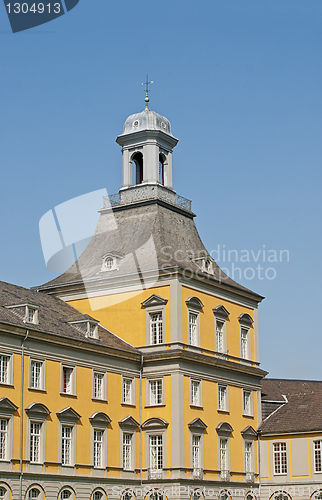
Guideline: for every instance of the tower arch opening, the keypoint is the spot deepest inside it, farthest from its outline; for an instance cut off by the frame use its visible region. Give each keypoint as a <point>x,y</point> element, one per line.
<point>137,168</point>
<point>161,168</point>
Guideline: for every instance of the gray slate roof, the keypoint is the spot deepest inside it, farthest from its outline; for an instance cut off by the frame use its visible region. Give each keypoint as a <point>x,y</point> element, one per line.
<point>146,237</point>
<point>291,406</point>
<point>53,317</point>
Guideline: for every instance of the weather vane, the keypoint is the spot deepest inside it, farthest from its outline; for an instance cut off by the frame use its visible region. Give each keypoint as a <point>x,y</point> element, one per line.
<point>147,90</point>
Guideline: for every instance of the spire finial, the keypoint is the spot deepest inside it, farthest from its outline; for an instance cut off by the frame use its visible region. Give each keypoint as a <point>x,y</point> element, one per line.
<point>147,90</point>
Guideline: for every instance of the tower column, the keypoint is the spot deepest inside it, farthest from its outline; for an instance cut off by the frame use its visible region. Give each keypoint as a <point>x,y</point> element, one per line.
<point>127,169</point>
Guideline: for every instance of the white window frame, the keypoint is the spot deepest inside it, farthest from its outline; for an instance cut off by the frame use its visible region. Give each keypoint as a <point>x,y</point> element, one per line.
<point>41,424</point>
<point>71,493</point>
<point>157,432</point>
<point>246,354</point>
<point>317,452</point>
<point>195,313</point>
<point>160,382</point>
<point>98,446</point>
<point>103,377</point>
<point>199,436</point>
<point>248,456</point>
<point>9,368</point>
<point>132,393</point>
<point>72,426</point>
<point>6,494</point>
<point>226,448</point>
<point>42,374</point>
<point>223,406</point>
<point>150,311</point>
<point>129,447</point>
<point>157,446</point>
<point>280,453</point>
<point>248,412</point>
<point>4,438</point>
<point>72,391</point>
<point>223,333</point>
<point>194,383</point>
<point>160,322</point>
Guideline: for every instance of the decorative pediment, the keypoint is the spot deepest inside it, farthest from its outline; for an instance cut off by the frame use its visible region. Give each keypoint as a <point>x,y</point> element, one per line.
<point>194,303</point>
<point>68,414</point>
<point>155,423</point>
<point>224,428</point>
<point>197,424</point>
<point>7,406</point>
<point>249,432</point>
<point>221,312</point>
<point>100,418</point>
<point>245,319</point>
<point>154,301</point>
<point>129,422</point>
<point>37,410</point>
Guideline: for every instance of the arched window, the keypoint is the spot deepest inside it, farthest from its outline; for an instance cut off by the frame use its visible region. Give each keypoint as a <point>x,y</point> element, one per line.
<point>161,169</point>
<point>65,495</point>
<point>33,494</point>
<point>2,493</point>
<point>137,166</point>
<point>97,495</point>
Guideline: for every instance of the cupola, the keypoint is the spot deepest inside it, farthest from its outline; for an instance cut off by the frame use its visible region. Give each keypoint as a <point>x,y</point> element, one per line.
<point>147,145</point>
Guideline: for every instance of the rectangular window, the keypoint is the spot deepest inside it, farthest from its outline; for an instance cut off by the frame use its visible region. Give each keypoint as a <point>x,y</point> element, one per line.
<point>247,402</point>
<point>222,398</point>
<point>4,369</point>
<point>156,334</point>
<point>98,391</point>
<point>3,438</point>
<point>193,340</point>
<point>31,315</point>
<point>127,391</point>
<point>127,451</point>
<point>280,458</point>
<point>219,336</point>
<point>223,455</point>
<point>67,380</point>
<point>196,452</point>
<point>98,448</point>
<point>92,330</point>
<point>35,442</point>
<point>155,392</point>
<point>248,457</point>
<point>156,452</point>
<point>317,456</point>
<point>36,374</point>
<point>195,393</point>
<point>244,343</point>
<point>66,445</point>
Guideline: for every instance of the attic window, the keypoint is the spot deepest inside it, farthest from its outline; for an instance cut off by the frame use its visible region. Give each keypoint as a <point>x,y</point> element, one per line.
<point>109,263</point>
<point>88,328</point>
<point>205,264</point>
<point>27,312</point>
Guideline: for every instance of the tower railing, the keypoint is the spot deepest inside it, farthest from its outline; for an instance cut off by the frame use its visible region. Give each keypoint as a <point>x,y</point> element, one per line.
<point>141,193</point>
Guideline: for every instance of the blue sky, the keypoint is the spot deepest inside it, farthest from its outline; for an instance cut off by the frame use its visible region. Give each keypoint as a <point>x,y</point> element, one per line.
<point>240,81</point>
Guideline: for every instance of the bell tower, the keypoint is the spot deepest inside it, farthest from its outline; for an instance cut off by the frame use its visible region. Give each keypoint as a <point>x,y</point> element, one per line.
<point>147,145</point>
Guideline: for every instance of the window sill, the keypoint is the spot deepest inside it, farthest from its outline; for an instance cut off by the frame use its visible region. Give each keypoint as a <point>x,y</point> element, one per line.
<point>248,416</point>
<point>68,394</point>
<point>6,384</point>
<point>198,407</point>
<point>162,405</point>
<point>36,389</point>
<point>280,474</point>
<point>220,410</point>
<point>100,400</point>
<point>128,404</point>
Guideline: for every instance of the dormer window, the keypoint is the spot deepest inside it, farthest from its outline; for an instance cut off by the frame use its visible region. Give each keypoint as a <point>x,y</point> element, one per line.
<point>109,263</point>
<point>89,328</point>
<point>205,264</point>
<point>27,312</point>
<point>31,314</point>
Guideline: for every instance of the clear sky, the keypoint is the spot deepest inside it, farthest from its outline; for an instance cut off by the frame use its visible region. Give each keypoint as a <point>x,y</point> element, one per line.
<point>240,81</point>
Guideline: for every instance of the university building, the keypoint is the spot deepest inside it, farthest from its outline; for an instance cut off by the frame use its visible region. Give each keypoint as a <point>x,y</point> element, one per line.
<point>138,368</point>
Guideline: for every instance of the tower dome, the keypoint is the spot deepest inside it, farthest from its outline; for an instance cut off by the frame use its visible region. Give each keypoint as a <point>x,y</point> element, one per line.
<point>146,120</point>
